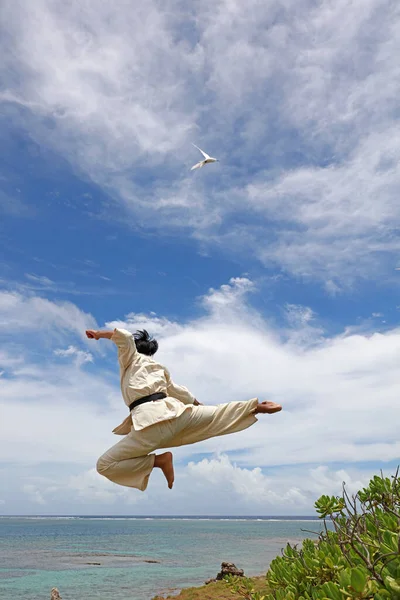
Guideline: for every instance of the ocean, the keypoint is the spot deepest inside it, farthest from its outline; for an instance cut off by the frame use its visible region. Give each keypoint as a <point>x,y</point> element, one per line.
<point>134,558</point>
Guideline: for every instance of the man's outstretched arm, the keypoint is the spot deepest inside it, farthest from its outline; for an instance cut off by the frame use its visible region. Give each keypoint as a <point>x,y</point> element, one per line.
<point>92,334</point>
<point>122,338</point>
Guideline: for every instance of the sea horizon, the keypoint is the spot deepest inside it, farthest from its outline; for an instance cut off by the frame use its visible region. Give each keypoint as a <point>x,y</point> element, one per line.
<point>160,517</point>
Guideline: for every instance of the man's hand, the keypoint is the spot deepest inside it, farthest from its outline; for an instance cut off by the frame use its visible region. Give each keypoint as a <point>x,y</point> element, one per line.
<point>98,335</point>
<point>92,334</point>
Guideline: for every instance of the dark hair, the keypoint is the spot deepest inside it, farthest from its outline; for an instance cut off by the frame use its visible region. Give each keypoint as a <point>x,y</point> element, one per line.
<point>145,344</point>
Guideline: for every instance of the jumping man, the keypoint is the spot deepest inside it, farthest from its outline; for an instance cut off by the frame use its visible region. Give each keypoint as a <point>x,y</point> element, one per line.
<point>162,414</point>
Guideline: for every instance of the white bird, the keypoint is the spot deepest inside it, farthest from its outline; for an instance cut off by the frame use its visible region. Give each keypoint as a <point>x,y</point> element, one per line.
<point>207,159</point>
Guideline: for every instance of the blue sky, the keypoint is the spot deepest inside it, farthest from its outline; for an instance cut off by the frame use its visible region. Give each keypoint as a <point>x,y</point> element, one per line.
<point>270,273</point>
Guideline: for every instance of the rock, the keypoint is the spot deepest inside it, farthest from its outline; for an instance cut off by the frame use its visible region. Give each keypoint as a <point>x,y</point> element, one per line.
<point>227,568</point>
<point>55,594</point>
<point>152,561</point>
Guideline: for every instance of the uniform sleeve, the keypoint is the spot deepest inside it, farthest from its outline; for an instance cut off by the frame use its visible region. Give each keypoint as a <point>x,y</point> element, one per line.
<point>125,343</point>
<point>178,391</point>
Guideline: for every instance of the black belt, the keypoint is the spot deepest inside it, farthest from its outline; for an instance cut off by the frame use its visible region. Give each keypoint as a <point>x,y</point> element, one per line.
<point>151,398</point>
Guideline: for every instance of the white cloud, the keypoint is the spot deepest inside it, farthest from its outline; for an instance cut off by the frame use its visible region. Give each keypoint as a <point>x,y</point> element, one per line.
<point>89,487</point>
<point>329,219</point>
<point>250,484</point>
<point>159,325</point>
<point>9,361</point>
<point>27,313</point>
<point>301,110</point>
<point>42,280</point>
<point>228,296</point>
<point>61,403</point>
<point>93,70</point>
<point>298,315</point>
<point>289,490</point>
<point>33,494</point>
<point>81,357</point>
<point>233,490</point>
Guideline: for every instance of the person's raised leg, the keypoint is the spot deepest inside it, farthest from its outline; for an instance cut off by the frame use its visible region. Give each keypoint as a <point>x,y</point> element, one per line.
<point>130,472</point>
<point>204,422</point>
<point>130,463</point>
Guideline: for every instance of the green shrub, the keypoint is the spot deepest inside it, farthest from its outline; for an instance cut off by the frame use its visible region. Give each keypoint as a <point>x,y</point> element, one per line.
<point>358,558</point>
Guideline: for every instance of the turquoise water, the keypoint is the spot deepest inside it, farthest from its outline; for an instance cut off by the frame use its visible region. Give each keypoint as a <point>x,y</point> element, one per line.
<point>105,558</point>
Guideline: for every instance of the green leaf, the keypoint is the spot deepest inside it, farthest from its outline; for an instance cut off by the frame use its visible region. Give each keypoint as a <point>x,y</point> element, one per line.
<point>391,540</point>
<point>371,588</point>
<point>392,584</point>
<point>358,579</point>
<point>382,595</point>
<point>345,578</point>
<point>331,590</point>
<point>329,562</point>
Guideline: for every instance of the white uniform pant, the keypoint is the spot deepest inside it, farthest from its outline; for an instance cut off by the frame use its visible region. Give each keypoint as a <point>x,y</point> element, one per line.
<point>130,461</point>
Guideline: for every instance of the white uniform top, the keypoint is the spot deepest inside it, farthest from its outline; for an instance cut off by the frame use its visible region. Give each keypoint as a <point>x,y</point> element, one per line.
<point>142,376</point>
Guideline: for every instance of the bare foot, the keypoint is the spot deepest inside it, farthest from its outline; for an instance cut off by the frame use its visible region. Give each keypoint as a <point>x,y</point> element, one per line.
<point>164,462</point>
<point>268,408</point>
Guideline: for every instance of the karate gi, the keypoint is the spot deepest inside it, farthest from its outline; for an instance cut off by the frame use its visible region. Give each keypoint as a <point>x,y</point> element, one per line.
<point>167,423</point>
